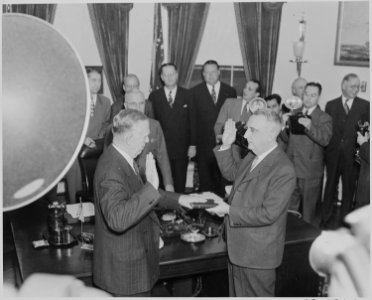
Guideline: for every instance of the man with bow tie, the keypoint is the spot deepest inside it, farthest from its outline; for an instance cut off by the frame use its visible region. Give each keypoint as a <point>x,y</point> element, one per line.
<point>256,211</point>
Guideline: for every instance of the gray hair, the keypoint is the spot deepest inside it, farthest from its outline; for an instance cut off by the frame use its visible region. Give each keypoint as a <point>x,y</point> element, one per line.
<point>349,76</point>
<point>125,119</point>
<point>271,117</point>
<point>132,93</point>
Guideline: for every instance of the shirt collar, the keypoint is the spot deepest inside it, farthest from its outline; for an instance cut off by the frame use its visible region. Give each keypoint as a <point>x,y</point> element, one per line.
<point>349,103</point>
<point>309,110</point>
<point>216,87</point>
<point>260,157</point>
<point>125,155</point>
<point>167,90</point>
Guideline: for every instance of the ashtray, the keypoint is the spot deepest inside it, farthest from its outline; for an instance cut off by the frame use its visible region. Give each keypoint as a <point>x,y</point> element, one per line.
<point>192,237</point>
<point>210,232</point>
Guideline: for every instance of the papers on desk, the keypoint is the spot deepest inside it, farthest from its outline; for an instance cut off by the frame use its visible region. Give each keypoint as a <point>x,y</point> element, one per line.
<point>80,210</point>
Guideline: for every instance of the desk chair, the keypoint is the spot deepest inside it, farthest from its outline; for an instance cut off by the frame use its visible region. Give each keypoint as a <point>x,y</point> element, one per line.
<point>88,158</point>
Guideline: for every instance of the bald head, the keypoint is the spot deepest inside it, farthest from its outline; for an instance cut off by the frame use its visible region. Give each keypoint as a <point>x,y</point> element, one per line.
<point>130,82</point>
<point>135,99</point>
<point>298,87</point>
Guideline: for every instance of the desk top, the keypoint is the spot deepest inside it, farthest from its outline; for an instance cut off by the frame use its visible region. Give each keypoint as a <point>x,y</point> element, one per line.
<point>30,223</point>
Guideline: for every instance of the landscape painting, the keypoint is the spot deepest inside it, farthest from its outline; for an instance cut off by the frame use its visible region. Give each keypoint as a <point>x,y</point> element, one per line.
<point>352,42</point>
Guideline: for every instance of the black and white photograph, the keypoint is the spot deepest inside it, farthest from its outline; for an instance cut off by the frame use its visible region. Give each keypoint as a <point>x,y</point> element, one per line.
<point>186,149</point>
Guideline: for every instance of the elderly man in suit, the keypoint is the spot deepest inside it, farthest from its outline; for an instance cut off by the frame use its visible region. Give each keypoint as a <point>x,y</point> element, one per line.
<point>208,97</point>
<point>172,107</point>
<point>126,241</point>
<point>345,111</point>
<point>306,151</point>
<point>298,87</point>
<point>130,82</point>
<point>98,124</point>
<point>134,99</point>
<point>256,211</point>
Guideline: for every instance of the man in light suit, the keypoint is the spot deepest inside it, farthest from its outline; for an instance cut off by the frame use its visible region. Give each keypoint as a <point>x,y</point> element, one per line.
<point>126,236</point>
<point>135,99</point>
<point>237,108</point>
<point>208,98</point>
<point>172,107</point>
<point>345,111</point>
<point>98,123</point>
<point>306,151</point>
<point>256,212</point>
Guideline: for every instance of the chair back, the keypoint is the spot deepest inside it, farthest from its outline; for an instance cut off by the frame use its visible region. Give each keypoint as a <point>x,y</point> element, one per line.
<point>88,158</point>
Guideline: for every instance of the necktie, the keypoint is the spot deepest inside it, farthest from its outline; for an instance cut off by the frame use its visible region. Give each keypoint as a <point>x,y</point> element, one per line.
<point>346,107</point>
<point>244,116</point>
<point>170,99</point>
<point>91,107</point>
<point>213,95</point>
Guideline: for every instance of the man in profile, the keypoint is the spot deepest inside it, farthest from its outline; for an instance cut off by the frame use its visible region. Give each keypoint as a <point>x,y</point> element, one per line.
<point>126,236</point>
<point>208,98</point>
<point>256,211</point>
<point>345,111</point>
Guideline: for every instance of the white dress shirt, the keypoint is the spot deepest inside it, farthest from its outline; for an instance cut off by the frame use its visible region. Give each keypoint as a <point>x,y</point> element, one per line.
<point>126,156</point>
<point>216,88</point>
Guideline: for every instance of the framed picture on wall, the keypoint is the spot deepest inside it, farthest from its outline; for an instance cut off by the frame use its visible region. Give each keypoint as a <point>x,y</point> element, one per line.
<point>99,69</point>
<point>352,40</point>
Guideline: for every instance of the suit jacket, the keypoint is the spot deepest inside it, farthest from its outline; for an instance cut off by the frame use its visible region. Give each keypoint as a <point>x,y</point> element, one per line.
<point>256,223</point>
<point>177,122</point>
<point>117,106</point>
<point>344,126</point>
<point>158,148</point>
<point>206,113</point>
<point>231,109</point>
<point>307,151</point>
<point>126,241</point>
<point>101,119</point>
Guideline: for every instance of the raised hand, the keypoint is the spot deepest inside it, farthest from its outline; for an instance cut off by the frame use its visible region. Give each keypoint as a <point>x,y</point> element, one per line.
<point>229,133</point>
<point>151,172</point>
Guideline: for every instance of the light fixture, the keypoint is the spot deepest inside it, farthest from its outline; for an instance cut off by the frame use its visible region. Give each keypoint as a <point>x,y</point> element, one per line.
<point>299,46</point>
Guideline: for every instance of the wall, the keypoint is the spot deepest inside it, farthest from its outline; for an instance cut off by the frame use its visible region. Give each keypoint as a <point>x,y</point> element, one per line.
<point>220,42</point>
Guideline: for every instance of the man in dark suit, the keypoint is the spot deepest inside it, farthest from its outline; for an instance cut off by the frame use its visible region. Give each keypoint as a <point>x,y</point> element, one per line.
<point>172,108</point>
<point>208,98</point>
<point>362,194</point>
<point>126,236</point>
<point>130,82</point>
<point>306,152</point>
<point>97,127</point>
<point>345,111</point>
<point>256,212</point>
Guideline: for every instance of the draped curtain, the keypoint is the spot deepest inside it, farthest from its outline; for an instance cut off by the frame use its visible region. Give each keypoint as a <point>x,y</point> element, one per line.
<point>111,27</point>
<point>258,28</point>
<point>186,23</point>
<point>42,11</point>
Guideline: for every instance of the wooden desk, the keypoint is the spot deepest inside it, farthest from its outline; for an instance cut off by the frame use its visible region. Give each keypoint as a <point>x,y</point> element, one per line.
<point>177,258</point>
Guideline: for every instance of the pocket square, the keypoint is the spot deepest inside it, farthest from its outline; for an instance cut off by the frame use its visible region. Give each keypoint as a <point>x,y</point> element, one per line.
<point>185,106</point>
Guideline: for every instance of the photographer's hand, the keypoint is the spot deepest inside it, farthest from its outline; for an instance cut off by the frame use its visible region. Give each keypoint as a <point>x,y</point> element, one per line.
<point>361,139</point>
<point>306,122</point>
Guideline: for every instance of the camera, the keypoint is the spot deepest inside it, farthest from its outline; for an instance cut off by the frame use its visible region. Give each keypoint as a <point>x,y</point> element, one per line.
<point>294,126</point>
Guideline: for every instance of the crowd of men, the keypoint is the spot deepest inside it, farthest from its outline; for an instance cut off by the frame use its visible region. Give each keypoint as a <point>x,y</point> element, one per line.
<point>283,169</point>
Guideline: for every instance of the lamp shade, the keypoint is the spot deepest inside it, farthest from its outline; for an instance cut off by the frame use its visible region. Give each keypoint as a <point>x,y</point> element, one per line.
<point>298,49</point>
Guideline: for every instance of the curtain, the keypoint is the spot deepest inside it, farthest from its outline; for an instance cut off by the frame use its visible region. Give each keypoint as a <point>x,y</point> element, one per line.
<point>186,23</point>
<point>111,26</point>
<point>157,49</point>
<point>42,11</point>
<point>258,28</point>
